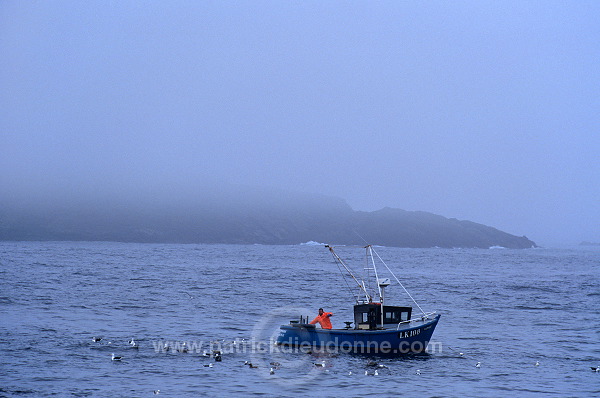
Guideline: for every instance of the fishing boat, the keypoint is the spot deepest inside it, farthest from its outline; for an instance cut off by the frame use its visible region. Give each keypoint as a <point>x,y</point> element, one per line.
<point>378,328</point>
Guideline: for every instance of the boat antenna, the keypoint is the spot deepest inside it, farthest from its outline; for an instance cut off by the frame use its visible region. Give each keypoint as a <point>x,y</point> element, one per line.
<point>360,285</point>
<point>397,280</point>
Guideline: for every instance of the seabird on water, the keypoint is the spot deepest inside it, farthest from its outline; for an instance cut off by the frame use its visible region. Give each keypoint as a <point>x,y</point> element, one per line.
<point>320,365</point>
<point>115,358</point>
<point>183,348</point>
<point>418,371</point>
<point>156,392</point>
<point>272,371</point>
<point>96,339</point>
<point>478,365</point>
<point>537,363</point>
<point>597,370</point>
<point>210,365</point>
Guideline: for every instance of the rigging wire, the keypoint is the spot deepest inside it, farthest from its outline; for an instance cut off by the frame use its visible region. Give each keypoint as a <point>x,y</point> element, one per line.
<point>354,296</point>
<point>361,284</point>
<point>397,280</point>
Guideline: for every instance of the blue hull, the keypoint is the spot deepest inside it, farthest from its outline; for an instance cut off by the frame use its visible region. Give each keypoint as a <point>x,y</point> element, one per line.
<point>411,339</point>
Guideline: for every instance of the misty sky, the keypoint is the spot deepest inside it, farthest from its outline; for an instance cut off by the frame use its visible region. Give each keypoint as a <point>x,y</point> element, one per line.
<point>480,110</point>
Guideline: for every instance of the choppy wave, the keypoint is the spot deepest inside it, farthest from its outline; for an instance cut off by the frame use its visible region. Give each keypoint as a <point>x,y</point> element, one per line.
<point>312,243</point>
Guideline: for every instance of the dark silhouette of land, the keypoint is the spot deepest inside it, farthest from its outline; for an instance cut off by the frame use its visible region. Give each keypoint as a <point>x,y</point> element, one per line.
<point>242,218</point>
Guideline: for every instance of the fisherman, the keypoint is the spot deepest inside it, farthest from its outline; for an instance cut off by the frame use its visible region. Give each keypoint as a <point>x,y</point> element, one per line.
<point>323,319</point>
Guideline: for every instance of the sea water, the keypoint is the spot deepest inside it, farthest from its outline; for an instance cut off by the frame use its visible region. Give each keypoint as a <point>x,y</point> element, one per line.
<point>507,309</point>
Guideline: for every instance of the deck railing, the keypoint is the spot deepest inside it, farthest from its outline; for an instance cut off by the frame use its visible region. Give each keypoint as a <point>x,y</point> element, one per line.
<point>421,318</point>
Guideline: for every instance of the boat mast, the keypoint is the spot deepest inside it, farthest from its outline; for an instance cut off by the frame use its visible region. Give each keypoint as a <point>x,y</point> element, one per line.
<point>374,268</point>
<point>377,282</point>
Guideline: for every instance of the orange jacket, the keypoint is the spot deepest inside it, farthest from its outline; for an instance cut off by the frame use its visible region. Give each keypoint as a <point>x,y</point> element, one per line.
<point>323,320</point>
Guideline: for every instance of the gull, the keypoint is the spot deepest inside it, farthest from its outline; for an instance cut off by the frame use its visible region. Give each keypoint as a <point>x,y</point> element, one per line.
<point>418,371</point>
<point>350,373</point>
<point>478,365</point>
<point>183,348</point>
<point>272,371</point>
<point>156,392</point>
<point>133,344</point>
<point>115,358</point>
<point>537,363</point>
<point>376,373</point>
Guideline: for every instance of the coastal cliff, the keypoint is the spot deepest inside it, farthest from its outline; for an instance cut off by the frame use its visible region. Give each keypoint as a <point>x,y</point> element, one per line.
<point>247,219</point>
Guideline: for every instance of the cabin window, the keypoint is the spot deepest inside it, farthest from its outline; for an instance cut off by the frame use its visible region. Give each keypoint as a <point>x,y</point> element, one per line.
<point>404,316</point>
<point>392,316</point>
<point>365,317</point>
